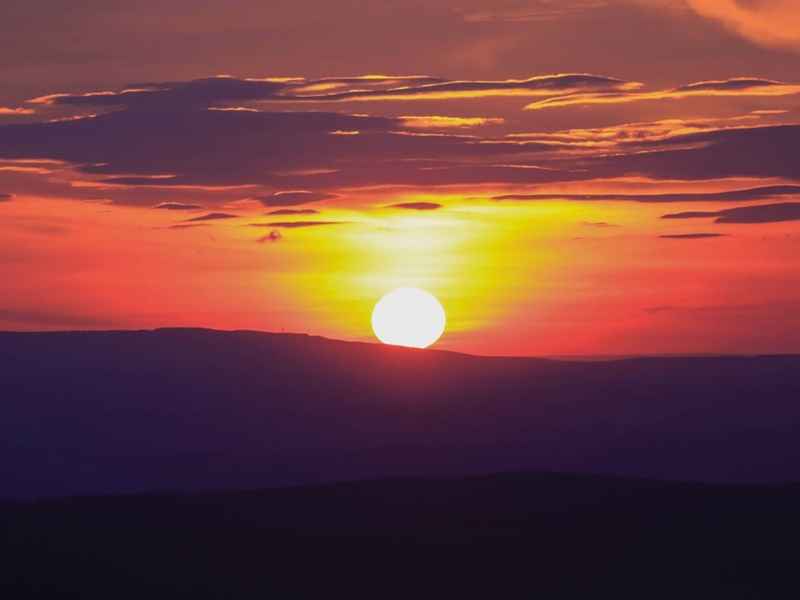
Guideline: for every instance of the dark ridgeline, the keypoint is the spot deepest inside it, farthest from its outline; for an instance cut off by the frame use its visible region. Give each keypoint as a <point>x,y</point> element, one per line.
<point>198,410</point>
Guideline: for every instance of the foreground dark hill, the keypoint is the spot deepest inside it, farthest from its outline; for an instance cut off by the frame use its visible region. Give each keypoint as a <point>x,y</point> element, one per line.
<point>112,412</point>
<point>503,536</point>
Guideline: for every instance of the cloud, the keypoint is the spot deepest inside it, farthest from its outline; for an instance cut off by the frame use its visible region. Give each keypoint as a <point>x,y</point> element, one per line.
<point>744,195</point>
<point>178,206</point>
<point>199,93</point>
<point>692,214</point>
<point>772,23</point>
<point>292,198</point>
<point>293,211</point>
<point>214,216</point>
<point>152,148</point>
<point>298,224</point>
<point>187,225</point>
<point>223,90</point>
<point>765,213</point>
<point>533,11</point>
<point>597,224</point>
<point>441,122</point>
<point>617,136</point>
<point>691,236</point>
<point>293,158</point>
<point>273,150</point>
<point>36,167</point>
<point>544,85</point>
<point>5,197</point>
<point>768,112</point>
<point>740,86</point>
<point>272,236</point>
<point>302,87</point>
<point>765,151</point>
<point>4,110</point>
<point>416,205</point>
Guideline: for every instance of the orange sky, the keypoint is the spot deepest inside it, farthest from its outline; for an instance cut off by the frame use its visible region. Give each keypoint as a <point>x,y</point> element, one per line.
<point>516,159</point>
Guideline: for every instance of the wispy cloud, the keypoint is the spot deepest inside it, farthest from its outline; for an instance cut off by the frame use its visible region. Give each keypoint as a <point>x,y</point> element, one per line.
<point>532,11</point>
<point>178,206</point>
<point>765,213</point>
<point>187,225</point>
<point>601,224</point>
<point>742,86</point>
<point>272,236</point>
<point>622,134</point>
<point>293,211</point>
<point>219,91</point>
<point>761,151</point>
<point>298,224</point>
<point>214,216</point>
<point>9,111</point>
<point>773,23</point>
<point>544,85</point>
<point>442,122</point>
<point>416,205</point>
<point>742,195</point>
<point>691,236</point>
<point>299,157</point>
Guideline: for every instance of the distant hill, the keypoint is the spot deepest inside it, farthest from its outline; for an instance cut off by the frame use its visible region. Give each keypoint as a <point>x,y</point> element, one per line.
<point>191,409</point>
<point>522,535</point>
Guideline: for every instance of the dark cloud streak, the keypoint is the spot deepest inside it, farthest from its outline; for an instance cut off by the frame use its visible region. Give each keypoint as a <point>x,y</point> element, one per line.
<point>293,211</point>
<point>216,91</point>
<point>178,206</point>
<point>691,236</point>
<point>765,213</point>
<point>422,206</point>
<point>744,195</point>
<point>215,216</point>
<point>298,224</point>
<point>294,158</point>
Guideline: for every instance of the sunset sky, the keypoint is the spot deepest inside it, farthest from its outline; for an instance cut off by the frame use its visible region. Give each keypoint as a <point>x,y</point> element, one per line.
<point>568,177</point>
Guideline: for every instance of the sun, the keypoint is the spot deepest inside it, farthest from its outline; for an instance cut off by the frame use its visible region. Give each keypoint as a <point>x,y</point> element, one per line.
<point>408,316</point>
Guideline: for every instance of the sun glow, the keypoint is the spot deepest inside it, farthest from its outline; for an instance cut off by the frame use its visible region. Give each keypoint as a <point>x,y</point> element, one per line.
<point>408,317</point>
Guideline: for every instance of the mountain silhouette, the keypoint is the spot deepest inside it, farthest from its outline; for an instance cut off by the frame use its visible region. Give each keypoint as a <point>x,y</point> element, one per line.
<point>192,409</point>
<point>121,453</point>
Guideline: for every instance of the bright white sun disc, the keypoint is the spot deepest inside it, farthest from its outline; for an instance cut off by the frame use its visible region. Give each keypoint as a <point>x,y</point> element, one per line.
<point>408,317</point>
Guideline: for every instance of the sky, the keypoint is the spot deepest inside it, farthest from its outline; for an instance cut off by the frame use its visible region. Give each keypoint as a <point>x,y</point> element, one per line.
<point>568,177</point>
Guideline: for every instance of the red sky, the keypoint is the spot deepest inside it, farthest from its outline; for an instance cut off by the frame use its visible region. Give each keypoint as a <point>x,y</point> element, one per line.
<point>567,177</point>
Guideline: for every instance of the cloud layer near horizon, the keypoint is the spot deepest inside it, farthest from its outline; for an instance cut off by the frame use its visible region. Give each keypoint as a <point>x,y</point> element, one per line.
<point>764,213</point>
<point>739,86</point>
<point>175,135</point>
<point>221,90</point>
